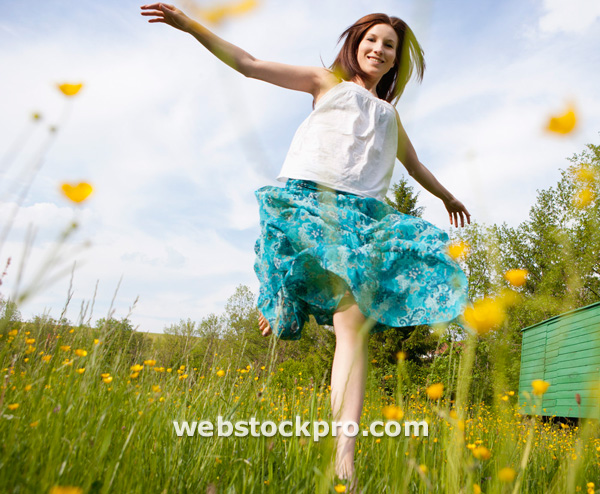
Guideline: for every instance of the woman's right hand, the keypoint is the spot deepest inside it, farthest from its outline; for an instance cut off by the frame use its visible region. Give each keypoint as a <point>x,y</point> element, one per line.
<point>167,14</point>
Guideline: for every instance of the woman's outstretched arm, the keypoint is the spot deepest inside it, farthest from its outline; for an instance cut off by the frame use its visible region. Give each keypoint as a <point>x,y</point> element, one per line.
<point>408,156</point>
<point>300,78</point>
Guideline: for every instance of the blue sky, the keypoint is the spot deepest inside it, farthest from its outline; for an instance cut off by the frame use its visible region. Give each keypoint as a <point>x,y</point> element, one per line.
<point>175,143</point>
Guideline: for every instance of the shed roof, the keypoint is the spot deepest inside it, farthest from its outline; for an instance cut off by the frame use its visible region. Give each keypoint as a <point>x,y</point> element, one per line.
<point>587,307</point>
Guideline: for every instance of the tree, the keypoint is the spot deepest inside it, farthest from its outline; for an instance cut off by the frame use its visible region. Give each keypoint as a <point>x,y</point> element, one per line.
<point>404,199</point>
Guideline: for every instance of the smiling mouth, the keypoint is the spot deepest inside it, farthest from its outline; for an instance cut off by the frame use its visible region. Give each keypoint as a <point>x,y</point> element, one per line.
<point>375,59</point>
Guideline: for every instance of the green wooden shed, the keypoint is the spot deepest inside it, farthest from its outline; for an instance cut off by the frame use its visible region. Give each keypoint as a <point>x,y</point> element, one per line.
<point>564,351</point>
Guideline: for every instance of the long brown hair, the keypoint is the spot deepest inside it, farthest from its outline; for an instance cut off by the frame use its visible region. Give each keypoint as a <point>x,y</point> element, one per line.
<point>409,56</point>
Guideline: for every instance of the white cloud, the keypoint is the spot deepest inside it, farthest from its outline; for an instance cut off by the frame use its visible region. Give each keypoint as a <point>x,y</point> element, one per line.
<point>574,16</point>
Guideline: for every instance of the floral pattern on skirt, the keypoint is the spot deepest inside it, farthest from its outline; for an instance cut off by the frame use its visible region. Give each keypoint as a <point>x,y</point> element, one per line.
<point>316,243</point>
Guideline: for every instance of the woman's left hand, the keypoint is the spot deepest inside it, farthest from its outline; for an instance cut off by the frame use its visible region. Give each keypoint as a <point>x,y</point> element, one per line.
<point>456,210</point>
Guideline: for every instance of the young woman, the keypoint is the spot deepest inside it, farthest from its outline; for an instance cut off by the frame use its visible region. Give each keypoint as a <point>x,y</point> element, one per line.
<point>329,246</point>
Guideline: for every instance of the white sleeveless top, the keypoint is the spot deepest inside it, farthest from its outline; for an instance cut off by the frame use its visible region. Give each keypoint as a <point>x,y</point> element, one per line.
<point>349,143</point>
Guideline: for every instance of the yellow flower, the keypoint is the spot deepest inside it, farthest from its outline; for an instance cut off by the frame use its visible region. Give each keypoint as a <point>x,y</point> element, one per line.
<point>46,358</point>
<point>156,388</point>
<point>107,380</point>
<point>77,193</point>
<point>564,123</point>
<point>65,489</point>
<point>106,374</point>
<point>219,13</point>
<point>482,453</point>
<point>96,341</point>
<point>458,250</point>
<point>150,363</point>
<point>392,412</point>
<point>28,387</point>
<point>435,391</point>
<point>584,174</point>
<point>80,353</point>
<point>539,387</point>
<point>401,355</point>
<point>516,277</point>
<point>423,468</point>
<point>485,315</point>
<point>30,341</point>
<point>34,424</point>
<point>136,367</point>
<point>70,89</point>
<point>507,475</point>
<point>184,376</point>
<point>583,198</point>
<point>221,373</point>
<point>14,332</point>
<point>476,489</point>
<point>65,348</point>
<point>13,406</point>
<point>340,488</point>
<point>134,375</point>
<point>81,370</point>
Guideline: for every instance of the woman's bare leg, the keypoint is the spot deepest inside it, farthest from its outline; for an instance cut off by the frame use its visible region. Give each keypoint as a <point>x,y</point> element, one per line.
<point>263,325</point>
<point>348,379</point>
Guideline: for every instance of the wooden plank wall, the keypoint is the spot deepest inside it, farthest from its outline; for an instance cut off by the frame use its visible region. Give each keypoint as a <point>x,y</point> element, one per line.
<point>564,351</point>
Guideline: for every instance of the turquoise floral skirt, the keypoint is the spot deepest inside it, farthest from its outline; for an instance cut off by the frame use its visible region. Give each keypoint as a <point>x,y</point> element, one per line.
<point>317,243</point>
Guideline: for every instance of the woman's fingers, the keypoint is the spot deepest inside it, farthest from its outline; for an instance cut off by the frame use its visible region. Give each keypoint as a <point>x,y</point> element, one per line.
<point>158,13</point>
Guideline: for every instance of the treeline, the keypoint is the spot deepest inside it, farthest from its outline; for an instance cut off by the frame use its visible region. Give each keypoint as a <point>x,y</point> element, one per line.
<point>559,246</point>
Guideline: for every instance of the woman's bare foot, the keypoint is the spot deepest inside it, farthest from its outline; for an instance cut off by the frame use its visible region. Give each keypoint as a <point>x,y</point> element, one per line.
<point>263,325</point>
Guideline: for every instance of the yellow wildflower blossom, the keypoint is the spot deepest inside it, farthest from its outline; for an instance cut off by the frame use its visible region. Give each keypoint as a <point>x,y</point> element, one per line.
<point>107,380</point>
<point>340,488</point>
<point>539,387</point>
<point>30,341</point>
<point>458,250</point>
<point>583,198</point>
<point>80,352</point>
<point>564,123</point>
<point>81,370</point>
<point>482,453</point>
<point>77,193</point>
<point>516,277</point>
<point>136,367</point>
<point>221,373</point>
<point>219,13</point>
<point>65,489</point>
<point>392,412</point>
<point>150,363</point>
<point>507,475</point>
<point>34,424</point>
<point>485,315</point>
<point>435,391</point>
<point>65,348</point>
<point>13,406</point>
<point>70,89</point>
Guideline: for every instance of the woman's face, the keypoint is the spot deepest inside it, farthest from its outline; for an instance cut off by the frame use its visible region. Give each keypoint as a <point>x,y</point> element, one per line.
<point>376,52</point>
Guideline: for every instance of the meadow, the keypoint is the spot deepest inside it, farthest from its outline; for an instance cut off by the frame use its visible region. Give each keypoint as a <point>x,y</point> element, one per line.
<point>81,415</point>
